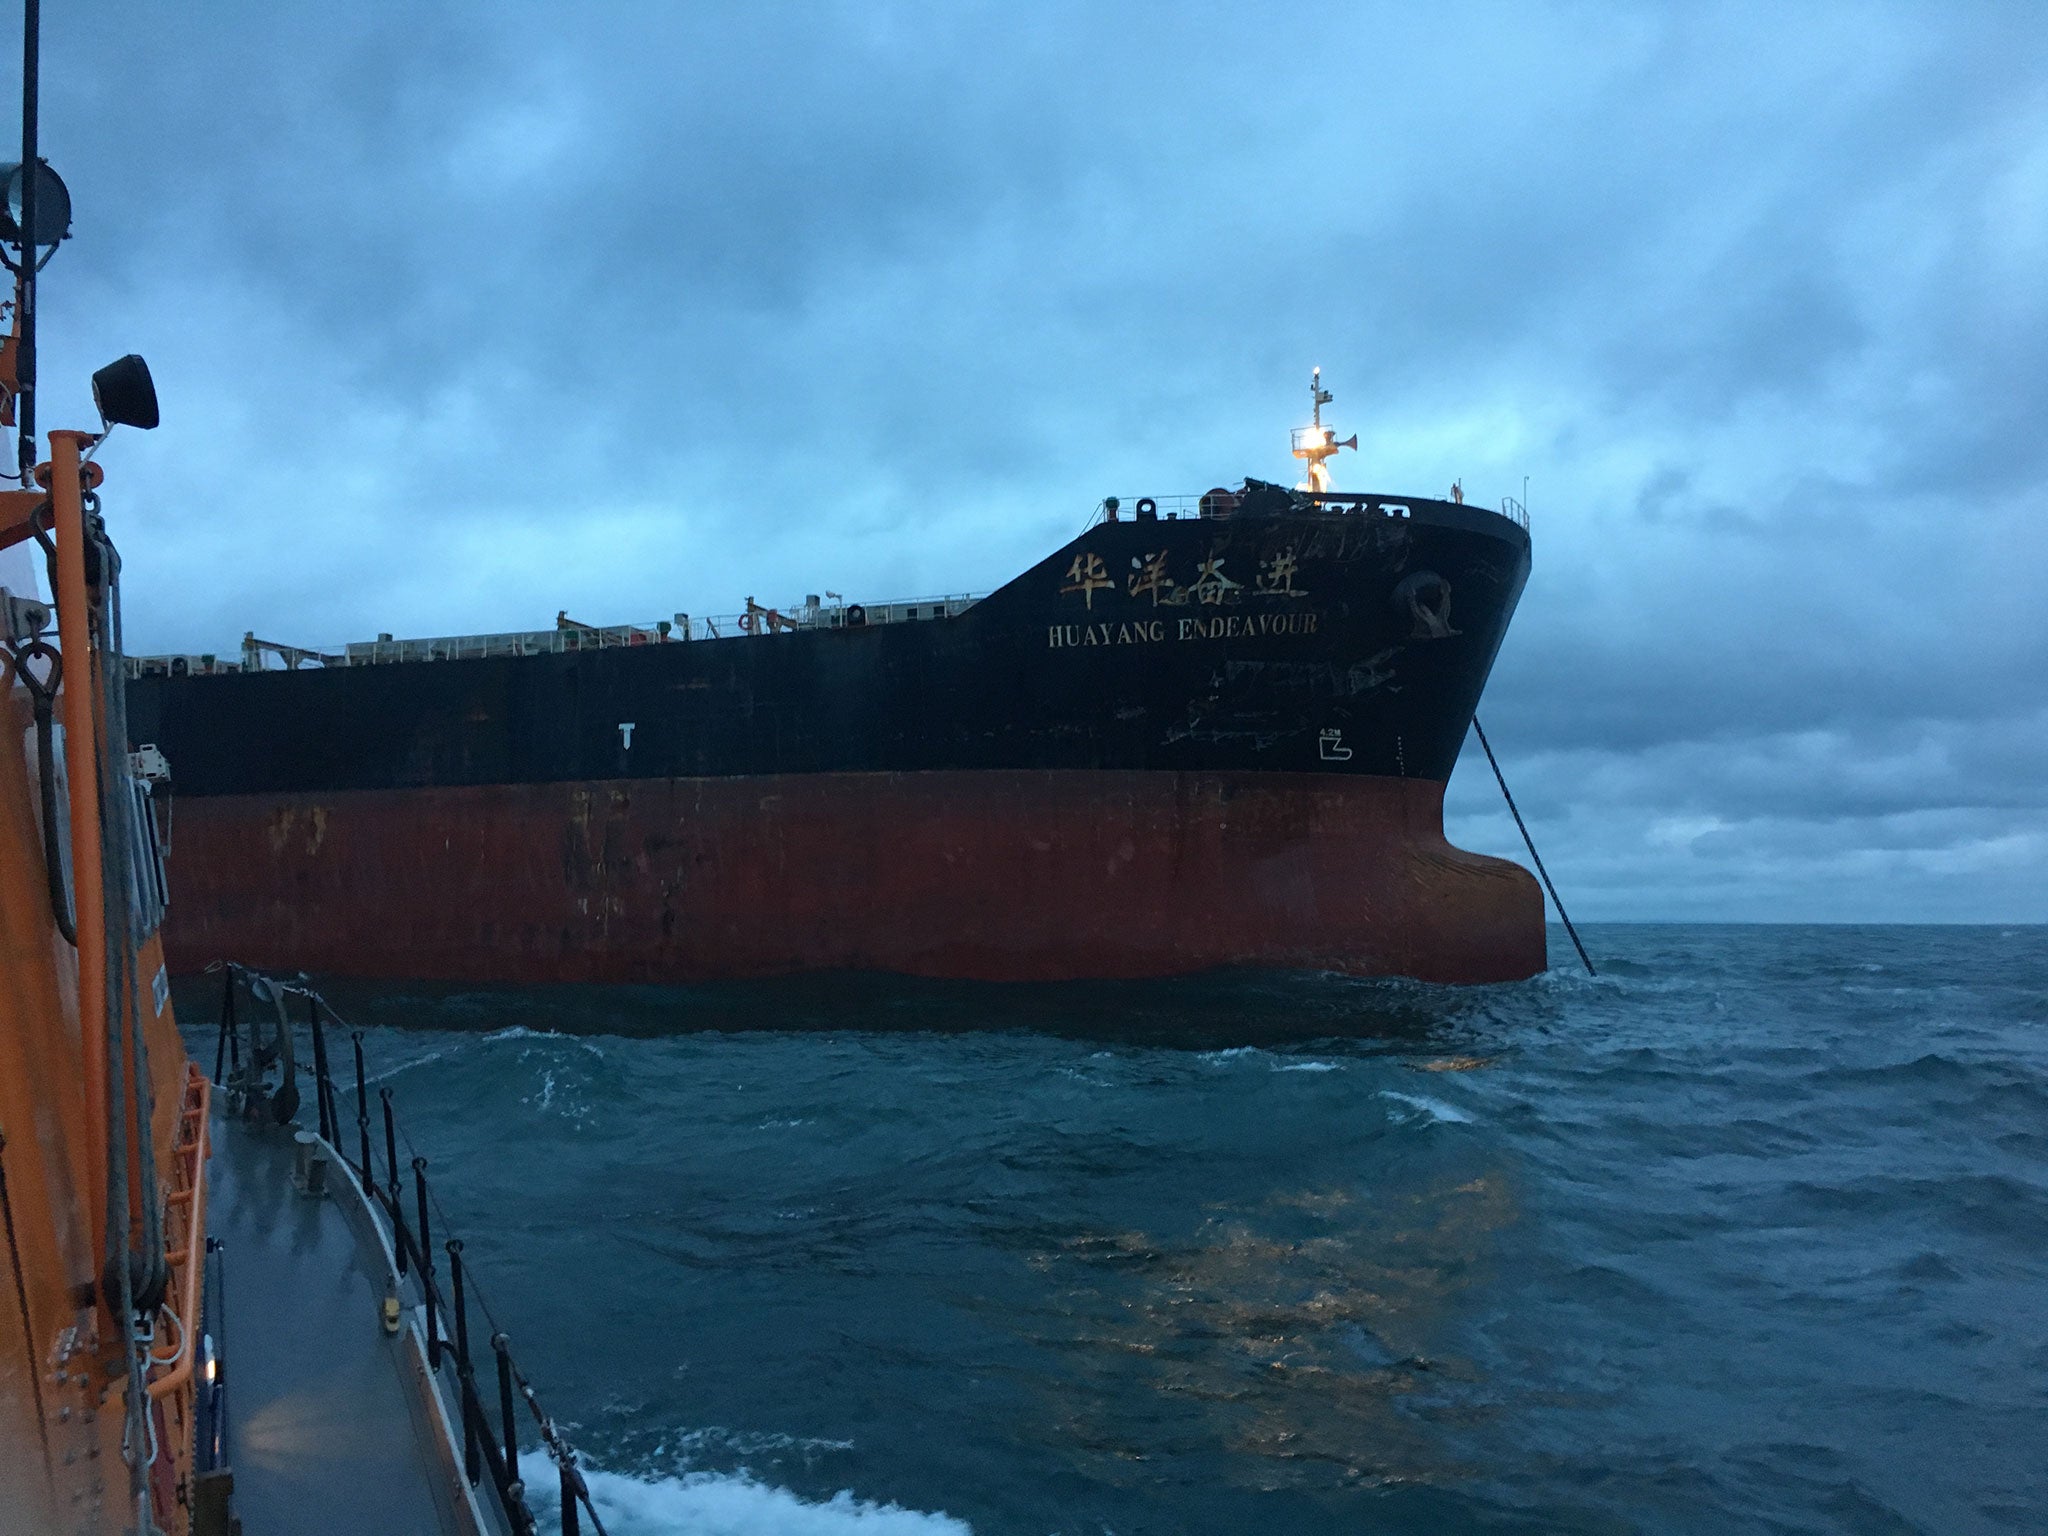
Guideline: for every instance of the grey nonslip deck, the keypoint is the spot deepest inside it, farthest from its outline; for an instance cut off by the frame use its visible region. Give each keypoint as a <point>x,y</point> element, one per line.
<point>325,1432</point>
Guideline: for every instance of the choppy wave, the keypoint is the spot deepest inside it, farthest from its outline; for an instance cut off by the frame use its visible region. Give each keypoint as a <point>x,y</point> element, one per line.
<point>1434,1110</point>
<point>1744,1234</point>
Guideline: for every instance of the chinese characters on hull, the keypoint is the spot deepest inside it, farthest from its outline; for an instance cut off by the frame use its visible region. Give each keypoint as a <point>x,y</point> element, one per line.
<point>1276,576</point>
<point>1212,586</point>
<point>1087,576</point>
<point>1150,578</point>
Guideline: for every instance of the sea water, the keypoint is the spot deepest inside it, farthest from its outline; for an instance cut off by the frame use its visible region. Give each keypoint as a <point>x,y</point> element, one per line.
<point>1748,1233</point>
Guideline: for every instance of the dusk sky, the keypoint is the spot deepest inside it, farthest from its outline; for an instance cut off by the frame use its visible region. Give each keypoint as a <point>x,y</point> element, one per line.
<point>462,316</point>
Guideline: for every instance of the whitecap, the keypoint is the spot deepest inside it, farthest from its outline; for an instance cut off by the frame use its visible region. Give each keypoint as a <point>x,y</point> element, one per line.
<point>403,1066</point>
<point>1433,1110</point>
<point>720,1504</point>
<point>1306,1066</point>
<point>552,1036</point>
<point>754,1442</point>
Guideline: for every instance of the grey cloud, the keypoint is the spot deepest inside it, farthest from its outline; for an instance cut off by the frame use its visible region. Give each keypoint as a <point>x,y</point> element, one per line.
<point>466,314</point>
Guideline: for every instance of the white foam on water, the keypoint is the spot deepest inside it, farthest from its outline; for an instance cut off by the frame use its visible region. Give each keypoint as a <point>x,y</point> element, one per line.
<point>551,1036</point>
<point>720,1504</point>
<point>555,1099</point>
<point>403,1066</point>
<point>1434,1110</point>
<point>1306,1066</point>
<point>748,1442</point>
<point>1217,1058</point>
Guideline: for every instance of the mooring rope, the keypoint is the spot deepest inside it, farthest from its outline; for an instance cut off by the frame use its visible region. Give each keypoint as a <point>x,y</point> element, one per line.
<point>1530,843</point>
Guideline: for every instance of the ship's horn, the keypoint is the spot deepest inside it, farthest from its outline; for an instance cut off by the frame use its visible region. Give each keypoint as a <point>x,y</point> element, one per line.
<point>1349,442</point>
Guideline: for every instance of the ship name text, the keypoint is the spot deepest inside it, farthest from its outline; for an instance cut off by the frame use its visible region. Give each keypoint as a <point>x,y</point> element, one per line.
<point>1149,579</point>
<point>1167,631</point>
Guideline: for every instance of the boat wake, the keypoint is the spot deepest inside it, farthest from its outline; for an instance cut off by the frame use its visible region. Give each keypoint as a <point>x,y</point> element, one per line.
<point>723,1504</point>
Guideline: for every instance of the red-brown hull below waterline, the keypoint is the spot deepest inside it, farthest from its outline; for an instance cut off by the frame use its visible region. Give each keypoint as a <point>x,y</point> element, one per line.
<point>984,875</point>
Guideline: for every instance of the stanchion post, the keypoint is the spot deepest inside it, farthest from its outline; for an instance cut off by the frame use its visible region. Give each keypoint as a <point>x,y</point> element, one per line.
<point>470,1464</point>
<point>503,1347</point>
<point>215,1449</point>
<point>572,1516</point>
<point>362,1110</point>
<point>322,1090</point>
<point>235,1041</point>
<point>419,1183</point>
<point>391,1162</point>
<point>227,1023</point>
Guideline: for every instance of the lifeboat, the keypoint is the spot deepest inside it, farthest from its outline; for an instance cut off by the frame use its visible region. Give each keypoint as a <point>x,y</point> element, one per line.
<point>141,1194</point>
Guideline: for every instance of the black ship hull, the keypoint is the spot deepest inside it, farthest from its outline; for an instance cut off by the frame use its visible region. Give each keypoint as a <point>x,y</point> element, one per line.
<point>1327,656</point>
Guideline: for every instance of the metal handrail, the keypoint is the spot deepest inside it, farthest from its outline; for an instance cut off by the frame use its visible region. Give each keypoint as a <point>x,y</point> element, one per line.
<point>190,1259</point>
<point>497,1452</point>
<point>755,622</point>
<point>758,622</point>
<point>1125,508</point>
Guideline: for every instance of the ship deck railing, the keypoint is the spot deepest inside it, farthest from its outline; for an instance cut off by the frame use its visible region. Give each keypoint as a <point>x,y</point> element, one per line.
<point>1335,503</point>
<point>455,1347</point>
<point>759,622</point>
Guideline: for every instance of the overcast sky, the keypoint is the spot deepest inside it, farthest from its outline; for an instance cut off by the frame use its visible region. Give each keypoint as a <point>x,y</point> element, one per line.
<point>462,316</point>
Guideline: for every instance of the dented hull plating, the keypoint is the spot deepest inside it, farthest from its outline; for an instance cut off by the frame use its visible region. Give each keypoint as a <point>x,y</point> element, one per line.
<point>1169,746</point>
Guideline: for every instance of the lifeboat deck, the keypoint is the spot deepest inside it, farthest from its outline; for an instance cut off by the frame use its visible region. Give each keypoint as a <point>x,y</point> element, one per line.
<point>326,1430</point>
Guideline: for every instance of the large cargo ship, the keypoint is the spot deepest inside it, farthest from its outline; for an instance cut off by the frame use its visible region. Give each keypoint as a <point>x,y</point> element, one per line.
<point>1208,732</point>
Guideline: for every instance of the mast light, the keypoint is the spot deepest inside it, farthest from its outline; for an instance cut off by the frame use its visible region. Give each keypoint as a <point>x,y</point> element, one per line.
<point>1317,443</point>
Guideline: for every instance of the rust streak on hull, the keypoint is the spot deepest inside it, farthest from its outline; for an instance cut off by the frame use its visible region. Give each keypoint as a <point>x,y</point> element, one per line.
<point>991,875</point>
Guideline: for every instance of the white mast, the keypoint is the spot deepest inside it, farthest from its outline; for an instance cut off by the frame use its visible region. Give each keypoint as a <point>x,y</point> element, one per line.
<point>1317,443</point>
